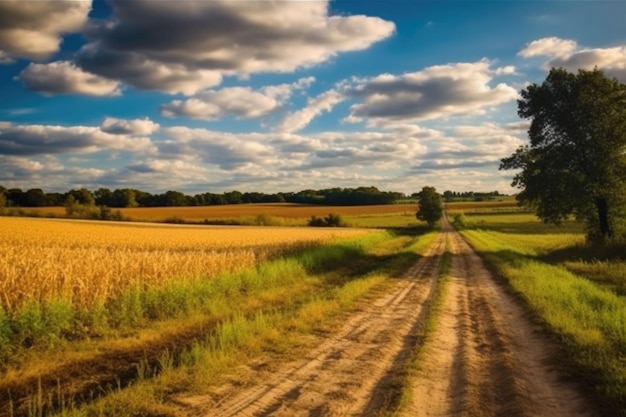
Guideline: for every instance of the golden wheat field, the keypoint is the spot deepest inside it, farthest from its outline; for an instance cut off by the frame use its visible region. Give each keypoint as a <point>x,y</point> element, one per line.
<point>84,262</point>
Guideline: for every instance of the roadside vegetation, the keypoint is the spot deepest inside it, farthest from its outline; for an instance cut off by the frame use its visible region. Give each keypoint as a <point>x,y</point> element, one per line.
<point>575,288</point>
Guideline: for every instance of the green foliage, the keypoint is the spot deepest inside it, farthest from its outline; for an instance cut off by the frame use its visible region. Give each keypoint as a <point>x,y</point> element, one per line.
<point>107,214</point>
<point>575,163</point>
<point>430,206</point>
<point>265,219</point>
<point>30,324</point>
<point>174,220</point>
<point>5,332</point>
<point>332,220</point>
<point>459,221</point>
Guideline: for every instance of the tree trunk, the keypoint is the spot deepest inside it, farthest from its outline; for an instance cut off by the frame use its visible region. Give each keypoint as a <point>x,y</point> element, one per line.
<point>603,217</point>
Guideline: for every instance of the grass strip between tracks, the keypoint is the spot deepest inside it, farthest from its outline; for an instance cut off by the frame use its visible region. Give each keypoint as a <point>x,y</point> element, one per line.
<point>403,383</point>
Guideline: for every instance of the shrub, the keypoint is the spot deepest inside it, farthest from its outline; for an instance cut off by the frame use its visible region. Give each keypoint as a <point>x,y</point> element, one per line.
<point>332,220</point>
<point>460,221</point>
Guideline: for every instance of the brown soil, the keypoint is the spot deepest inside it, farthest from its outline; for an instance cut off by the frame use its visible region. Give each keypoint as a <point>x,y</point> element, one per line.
<point>485,358</point>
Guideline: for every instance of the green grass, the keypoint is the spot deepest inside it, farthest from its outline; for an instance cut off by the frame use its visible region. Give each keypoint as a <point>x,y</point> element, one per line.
<point>383,221</point>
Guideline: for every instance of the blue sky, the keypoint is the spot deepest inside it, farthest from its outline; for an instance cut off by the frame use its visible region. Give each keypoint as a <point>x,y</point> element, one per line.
<point>213,96</point>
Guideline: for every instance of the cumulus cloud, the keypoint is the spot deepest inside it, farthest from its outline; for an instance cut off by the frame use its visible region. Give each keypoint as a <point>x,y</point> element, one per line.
<point>184,47</point>
<point>569,55</point>
<point>64,77</point>
<point>226,150</point>
<point>33,29</point>
<point>471,146</point>
<point>549,47</point>
<point>129,127</point>
<point>241,102</point>
<point>22,140</point>
<point>5,58</point>
<point>437,91</point>
<point>300,119</point>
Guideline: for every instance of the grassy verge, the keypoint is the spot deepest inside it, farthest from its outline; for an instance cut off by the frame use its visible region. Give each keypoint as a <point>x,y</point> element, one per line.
<point>271,308</point>
<point>588,318</point>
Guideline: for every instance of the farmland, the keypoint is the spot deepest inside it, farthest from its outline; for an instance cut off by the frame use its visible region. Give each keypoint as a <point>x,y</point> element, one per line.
<point>279,214</point>
<point>278,320</point>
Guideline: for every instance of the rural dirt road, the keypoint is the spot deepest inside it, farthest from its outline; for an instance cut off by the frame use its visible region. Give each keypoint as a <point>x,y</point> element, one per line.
<point>485,357</point>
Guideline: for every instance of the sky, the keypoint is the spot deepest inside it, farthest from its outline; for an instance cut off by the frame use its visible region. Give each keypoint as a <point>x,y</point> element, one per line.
<point>273,96</point>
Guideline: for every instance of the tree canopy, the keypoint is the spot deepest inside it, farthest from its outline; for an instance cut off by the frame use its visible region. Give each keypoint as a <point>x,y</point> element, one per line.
<point>575,163</point>
<point>430,206</point>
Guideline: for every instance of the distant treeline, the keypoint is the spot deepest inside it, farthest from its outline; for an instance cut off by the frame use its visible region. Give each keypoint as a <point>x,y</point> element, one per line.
<point>470,196</point>
<point>128,197</point>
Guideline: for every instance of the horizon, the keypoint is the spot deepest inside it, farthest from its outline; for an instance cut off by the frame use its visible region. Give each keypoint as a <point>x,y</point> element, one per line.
<point>215,96</point>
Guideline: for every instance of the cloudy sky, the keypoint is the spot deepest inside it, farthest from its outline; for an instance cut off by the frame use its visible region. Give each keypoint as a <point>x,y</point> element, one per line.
<point>220,95</point>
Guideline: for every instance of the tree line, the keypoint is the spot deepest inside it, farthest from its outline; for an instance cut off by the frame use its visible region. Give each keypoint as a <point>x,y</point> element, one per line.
<point>128,197</point>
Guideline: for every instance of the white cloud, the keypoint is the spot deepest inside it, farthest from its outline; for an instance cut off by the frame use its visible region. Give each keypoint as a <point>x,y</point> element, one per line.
<point>572,57</point>
<point>5,58</point>
<point>33,29</point>
<point>549,47</point>
<point>435,92</point>
<point>205,40</point>
<point>240,102</point>
<point>129,127</point>
<point>64,77</point>
<point>300,119</point>
<point>236,101</point>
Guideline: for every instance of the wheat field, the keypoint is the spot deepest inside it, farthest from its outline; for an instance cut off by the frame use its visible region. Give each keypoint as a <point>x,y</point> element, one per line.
<point>87,262</point>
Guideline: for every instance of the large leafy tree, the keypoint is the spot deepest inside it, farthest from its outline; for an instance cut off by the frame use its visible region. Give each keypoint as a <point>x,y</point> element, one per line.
<point>575,163</point>
<point>430,206</point>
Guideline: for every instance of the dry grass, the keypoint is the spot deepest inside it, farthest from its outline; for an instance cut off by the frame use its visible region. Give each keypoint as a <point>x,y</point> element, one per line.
<point>88,262</point>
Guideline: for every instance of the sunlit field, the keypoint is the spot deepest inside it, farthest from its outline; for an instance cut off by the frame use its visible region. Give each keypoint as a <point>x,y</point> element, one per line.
<point>298,212</point>
<point>88,262</point>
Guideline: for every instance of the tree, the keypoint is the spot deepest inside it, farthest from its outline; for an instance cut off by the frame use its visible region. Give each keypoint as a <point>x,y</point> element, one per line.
<point>430,206</point>
<point>575,163</point>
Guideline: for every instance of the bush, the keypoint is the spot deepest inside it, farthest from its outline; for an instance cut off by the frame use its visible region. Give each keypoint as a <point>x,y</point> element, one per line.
<point>460,221</point>
<point>332,220</point>
<point>174,220</point>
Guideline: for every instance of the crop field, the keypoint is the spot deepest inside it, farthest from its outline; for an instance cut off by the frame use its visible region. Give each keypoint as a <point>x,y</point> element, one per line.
<point>89,262</point>
<point>282,210</point>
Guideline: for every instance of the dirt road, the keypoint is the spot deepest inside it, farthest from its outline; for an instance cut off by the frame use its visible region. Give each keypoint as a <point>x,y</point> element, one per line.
<point>484,359</point>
